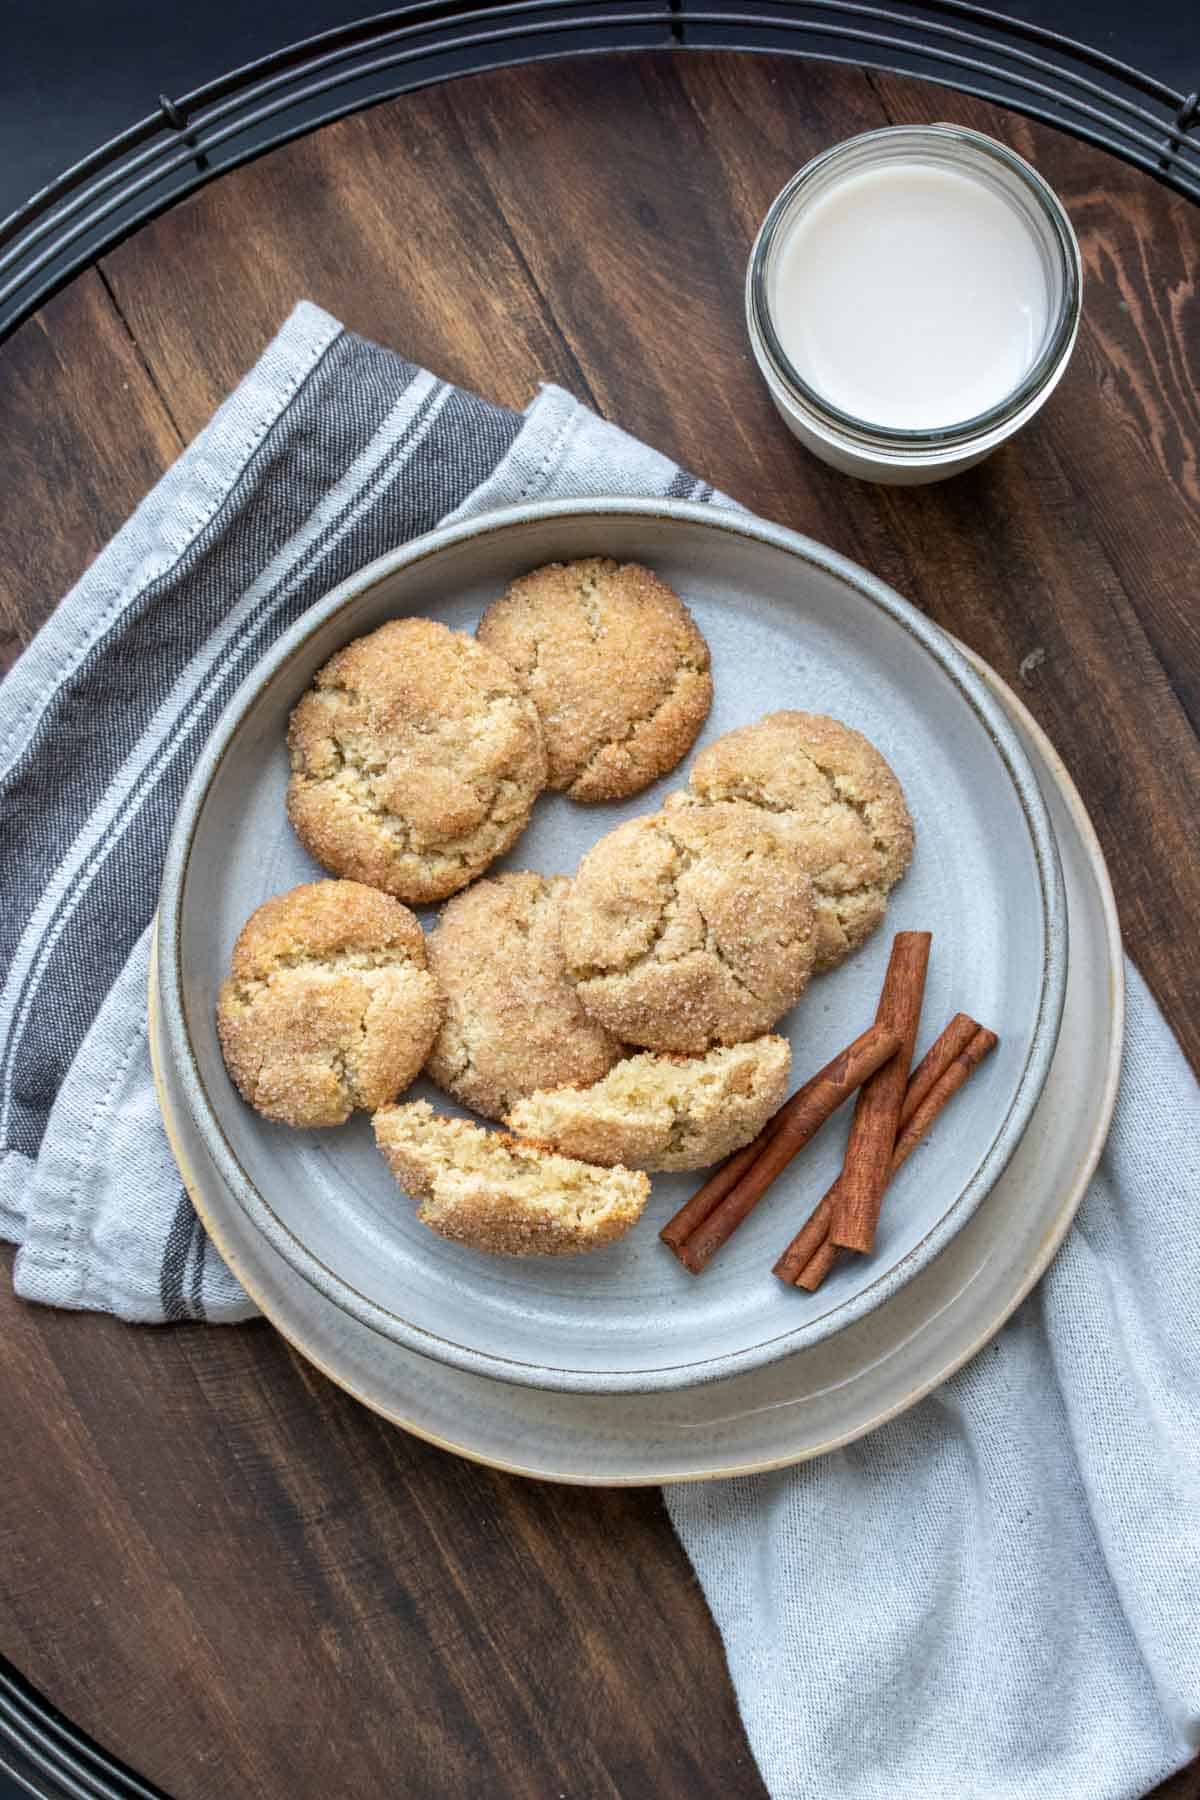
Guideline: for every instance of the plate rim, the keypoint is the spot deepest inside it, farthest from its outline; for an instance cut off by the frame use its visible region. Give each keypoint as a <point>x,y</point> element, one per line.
<point>1050,1243</point>
<point>943,650</point>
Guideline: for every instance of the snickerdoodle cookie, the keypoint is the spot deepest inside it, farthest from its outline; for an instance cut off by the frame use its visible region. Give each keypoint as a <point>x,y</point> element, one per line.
<point>416,759</point>
<point>329,1005</point>
<point>513,1020</point>
<point>663,1112</point>
<point>615,665</point>
<point>828,787</point>
<point>690,927</point>
<point>485,1189</point>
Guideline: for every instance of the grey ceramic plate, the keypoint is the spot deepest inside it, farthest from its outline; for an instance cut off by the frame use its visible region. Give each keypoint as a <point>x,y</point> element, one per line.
<point>815,1399</point>
<point>790,624</point>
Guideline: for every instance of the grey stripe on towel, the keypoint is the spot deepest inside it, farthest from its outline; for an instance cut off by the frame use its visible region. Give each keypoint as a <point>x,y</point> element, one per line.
<point>134,714</point>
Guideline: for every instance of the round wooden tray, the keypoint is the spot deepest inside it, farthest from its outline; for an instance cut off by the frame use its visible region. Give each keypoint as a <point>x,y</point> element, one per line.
<point>216,1563</point>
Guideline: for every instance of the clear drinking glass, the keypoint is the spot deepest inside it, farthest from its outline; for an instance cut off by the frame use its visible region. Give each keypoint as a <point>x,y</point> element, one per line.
<point>889,453</point>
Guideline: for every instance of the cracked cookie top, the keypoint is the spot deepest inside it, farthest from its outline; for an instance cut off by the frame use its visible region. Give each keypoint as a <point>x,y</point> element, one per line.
<point>691,927</point>
<point>485,1189</point>
<point>663,1112</point>
<point>615,665</point>
<point>416,759</point>
<point>828,787</point>
<point>513,1020</point>
<point>329,1006</point>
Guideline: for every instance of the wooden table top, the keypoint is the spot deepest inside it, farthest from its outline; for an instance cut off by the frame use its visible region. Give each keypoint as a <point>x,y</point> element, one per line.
<point>228,1572</point>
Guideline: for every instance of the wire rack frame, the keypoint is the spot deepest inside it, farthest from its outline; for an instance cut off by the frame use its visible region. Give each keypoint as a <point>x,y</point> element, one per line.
<point>45,1755</point>
<point>187,141</point>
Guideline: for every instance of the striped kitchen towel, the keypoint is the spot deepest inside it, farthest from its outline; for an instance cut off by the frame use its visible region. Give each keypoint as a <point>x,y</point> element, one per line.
<point>330,452</point>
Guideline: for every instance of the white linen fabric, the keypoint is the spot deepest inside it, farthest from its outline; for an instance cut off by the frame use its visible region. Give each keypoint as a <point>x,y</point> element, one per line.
<point>995,1597</point>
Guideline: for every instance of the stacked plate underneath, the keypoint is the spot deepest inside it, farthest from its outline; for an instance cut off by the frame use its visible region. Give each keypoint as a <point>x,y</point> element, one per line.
<point>620,1366</point>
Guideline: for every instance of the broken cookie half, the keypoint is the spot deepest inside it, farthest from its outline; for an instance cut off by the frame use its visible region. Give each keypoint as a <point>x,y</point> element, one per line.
<point>663,1112</point>
<point>488,1190</point>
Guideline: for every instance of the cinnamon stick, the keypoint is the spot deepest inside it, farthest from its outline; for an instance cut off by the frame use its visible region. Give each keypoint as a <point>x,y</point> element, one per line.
<point>810,1255</point>
<point>936,1060</point>
<point>808,1240</point>
<point>939,1058</point>
<point>818,1266</point>
<point>680,1226</point>
<point>709,1221</point>
<point>811,1238</point>
<point>922,1116</point>
<point>877,1114</point>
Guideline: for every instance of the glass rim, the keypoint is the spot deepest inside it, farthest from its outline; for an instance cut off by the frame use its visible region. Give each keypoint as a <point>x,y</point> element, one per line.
<point>1036,378</point>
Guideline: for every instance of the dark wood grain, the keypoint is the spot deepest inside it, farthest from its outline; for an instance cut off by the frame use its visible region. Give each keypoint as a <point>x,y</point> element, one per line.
<point>237,1577</point>
<point>227,1571</point>
<point>84,435</point>
<point>384,219</point>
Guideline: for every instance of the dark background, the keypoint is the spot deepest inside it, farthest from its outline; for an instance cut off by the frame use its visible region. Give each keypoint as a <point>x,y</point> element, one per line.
<point>75,72</point>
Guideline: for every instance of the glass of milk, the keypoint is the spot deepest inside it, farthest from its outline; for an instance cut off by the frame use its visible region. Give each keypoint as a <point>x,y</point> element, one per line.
<point>912,299</point>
